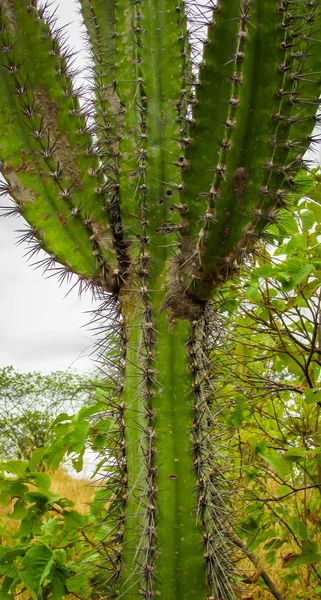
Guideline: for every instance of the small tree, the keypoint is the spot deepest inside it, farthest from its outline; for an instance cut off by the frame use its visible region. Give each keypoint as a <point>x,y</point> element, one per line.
<point>29,403</point>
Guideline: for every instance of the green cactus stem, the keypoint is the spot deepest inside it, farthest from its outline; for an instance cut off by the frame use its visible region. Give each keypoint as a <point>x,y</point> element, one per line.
<point>152,191</point>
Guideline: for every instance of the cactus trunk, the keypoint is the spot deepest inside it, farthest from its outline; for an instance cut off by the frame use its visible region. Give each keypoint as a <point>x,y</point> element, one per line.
<point>152,193</point>
<point>161,508</point>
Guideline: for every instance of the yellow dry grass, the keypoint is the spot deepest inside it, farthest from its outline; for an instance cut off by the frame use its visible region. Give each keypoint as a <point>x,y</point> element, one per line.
<point>80,491</point>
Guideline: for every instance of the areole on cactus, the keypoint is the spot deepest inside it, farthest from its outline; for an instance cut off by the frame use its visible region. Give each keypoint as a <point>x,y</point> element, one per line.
<point>152,193</point>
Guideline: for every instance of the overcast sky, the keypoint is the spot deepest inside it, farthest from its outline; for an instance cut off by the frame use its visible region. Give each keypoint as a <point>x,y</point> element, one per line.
<point>40,328</point>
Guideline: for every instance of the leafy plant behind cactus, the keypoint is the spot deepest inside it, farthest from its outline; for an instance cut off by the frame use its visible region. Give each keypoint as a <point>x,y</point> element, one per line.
<point>152,195</point>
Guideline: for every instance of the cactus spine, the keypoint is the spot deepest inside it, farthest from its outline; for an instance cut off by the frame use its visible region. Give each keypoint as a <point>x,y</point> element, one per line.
<point>152,195</point>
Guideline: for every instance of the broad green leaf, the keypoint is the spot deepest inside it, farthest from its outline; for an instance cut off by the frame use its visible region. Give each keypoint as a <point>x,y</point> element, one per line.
<point>65,502</point>
<point>289,284</point>
<point>286,223</point>
<point>76,584</point>
<point>42,497</point>
<point>293,266</point>
<point>61,418</point>
<point>11,489</point>
<point>19,510</point>
<point>308,220</point>
<point>299,527</point>
<point>102,395</point>
<point>276,462</point>
<point>77,436</point>
<point>78,461</point>
<point>316,208</point>
<point>305,272</point>
<point>312,396</point>
<point>297,242</point>
<point>74,520</point>
<point>15,467</point>
<point>42,480</point>
<point>50,526</point>
<point>88,411</point>
<point>264,271</point>
<point>12,553</point>
<point>55,455</point>
<point>36,457</point>
<point>253,294</point>
<point>307,558</point>
<point>60,557</point>
<point>37,562</point>
<point>309,555</point>
<point>274,544</point>
<point>270,557</point>
<point>58,579</point>
<point>294,455</point>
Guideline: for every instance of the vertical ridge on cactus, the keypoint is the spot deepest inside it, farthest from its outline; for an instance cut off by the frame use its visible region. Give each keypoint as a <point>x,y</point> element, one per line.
<point>153,192</point>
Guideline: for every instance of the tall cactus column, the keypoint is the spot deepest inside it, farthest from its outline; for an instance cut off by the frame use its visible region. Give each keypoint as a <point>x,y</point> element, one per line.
<point>162,542</point>
<point>152,195</point>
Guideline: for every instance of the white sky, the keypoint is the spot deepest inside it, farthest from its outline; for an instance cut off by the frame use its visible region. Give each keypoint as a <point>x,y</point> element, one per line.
<point>40,328</point>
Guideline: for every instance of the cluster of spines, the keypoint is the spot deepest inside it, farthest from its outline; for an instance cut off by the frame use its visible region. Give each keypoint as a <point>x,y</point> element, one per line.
<point>212,487</point>
<point>114,476</point>
<point>149,499</point>
<point>107,114</point>
<point>199,16</point>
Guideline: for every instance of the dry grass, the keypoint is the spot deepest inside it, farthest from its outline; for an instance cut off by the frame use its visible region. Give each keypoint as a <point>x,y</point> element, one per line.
<point>81,492</point>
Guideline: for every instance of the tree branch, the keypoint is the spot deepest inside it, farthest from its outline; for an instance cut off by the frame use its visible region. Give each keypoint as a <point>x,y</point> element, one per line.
<point>274,591</point>
<point>294,491</point>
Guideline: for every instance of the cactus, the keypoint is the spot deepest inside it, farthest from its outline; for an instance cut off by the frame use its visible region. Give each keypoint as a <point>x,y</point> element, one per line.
<point>152,193</point>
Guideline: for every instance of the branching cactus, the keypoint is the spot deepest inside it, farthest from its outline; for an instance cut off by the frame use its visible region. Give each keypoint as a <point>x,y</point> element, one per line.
<point>152,192</point>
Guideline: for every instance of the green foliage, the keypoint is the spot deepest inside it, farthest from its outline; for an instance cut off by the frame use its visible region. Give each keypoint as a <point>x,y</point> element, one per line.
<point>55,550</point>
<point>29,404</point>
<point>267,373</point>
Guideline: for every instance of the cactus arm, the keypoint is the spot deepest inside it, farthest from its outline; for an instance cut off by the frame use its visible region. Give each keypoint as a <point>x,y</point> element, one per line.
<point>149,73</point>
<point>254,102</point>
<point>272,113</point>
<point>128,82</point>
<point>210,110</point>
<point>107,111</point>
<point>51,151</point>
